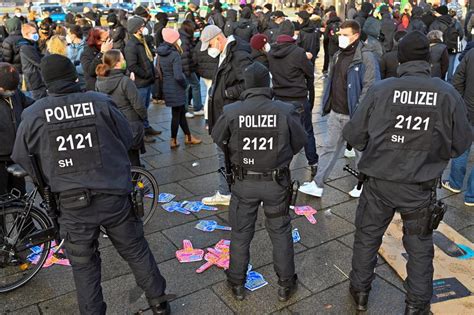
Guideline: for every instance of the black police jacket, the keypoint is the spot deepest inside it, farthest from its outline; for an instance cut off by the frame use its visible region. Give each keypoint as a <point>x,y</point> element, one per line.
<point>263,134</point>
<point>409,127</point>
<point>80,139</point>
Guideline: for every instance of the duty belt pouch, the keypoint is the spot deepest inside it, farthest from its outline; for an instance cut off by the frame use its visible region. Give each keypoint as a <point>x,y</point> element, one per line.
<point>75,199</point>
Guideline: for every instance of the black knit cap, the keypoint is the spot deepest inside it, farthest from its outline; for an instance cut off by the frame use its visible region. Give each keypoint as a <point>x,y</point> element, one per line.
<point>414,46</point>
<point>256,75</point>
<point>57,68</point>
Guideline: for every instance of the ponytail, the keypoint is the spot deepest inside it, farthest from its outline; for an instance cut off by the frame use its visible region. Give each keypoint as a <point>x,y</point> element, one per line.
<point>109,61</point>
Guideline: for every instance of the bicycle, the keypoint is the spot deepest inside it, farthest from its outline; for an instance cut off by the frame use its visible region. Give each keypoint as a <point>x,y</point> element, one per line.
<point>27,232</point>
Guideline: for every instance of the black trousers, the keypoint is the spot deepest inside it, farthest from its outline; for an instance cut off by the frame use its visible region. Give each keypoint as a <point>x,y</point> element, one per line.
<point>246,198</point>
<point>178,118</point>
<point>80,229</point>
<point>378,203</point>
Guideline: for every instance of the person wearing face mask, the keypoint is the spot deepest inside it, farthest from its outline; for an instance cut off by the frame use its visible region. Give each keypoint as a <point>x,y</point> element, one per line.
<point>76,44</point>
<point>98,43</point>
<point>276,19</point>
<point>148,30</point>
<point>140,61</point>
<point>352,72</point>
<point>228,85</point>
<point>174,86</point>
<point>10,48</point>
<point>30,61</point>
<point>117,32</point>
<point>19,15</point>
<point>260,48</point>
<point>12,104</point>
<point>111,80</point>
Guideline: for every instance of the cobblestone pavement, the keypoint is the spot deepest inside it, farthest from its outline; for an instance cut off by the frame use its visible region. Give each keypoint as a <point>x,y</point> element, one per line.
<point>323,257</point>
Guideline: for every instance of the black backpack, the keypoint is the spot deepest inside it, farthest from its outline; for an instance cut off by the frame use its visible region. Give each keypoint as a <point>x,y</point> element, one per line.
<point>451,37</point>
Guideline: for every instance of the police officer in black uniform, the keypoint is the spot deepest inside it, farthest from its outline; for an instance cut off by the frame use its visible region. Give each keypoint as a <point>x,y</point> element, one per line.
<point>262,136</point>
<point>81,142</point>
<point>408,128</point>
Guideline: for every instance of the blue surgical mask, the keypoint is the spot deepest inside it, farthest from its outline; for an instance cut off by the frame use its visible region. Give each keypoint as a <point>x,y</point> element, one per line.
<point>196,34</point>
<point>35,37</point>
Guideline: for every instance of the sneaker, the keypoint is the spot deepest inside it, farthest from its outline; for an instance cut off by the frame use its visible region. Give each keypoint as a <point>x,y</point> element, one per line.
<point>469,204</point>
<point>349,153</point>
<point>447,185</point>
<point>355,193</point>
<point>310,188</point>
<point>189,115</point>
<point>216,200</point>
<point>152,132</point>
<point>199,113</point>
<point>149,139</point>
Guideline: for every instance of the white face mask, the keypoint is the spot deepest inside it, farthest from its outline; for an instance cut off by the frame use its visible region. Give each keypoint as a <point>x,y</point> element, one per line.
<point>68,39</point>
<point>145,31</point>
<point>179,42</point>
<point>18,15</point>
<point>344,41</point>
<point>267,47</point>
<point>213,52</point>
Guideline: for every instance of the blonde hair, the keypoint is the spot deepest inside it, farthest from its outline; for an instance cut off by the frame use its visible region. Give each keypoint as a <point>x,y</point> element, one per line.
<point>57,45</point>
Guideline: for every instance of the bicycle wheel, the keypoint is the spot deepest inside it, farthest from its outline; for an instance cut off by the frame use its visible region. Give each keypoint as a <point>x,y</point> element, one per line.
<point>21,261</point>
<point>141,177</point>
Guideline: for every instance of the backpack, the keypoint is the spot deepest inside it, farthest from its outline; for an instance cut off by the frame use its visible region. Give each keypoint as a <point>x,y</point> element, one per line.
<point>451,37</point>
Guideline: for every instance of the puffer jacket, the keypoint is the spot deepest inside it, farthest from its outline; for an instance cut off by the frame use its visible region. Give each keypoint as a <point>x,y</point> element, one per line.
<point>174,80</point>
<point>206,65</point>
<point>10,47</point>
<point>187,44</point>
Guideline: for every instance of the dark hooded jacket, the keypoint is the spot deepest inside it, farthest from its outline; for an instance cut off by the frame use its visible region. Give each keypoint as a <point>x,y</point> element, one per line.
<point>245,28</point>
<point>231,22</point>
<point>363,14</point>
<point>416,22</point>
<point>206,65</point>
<point>30,64</point>
<point>442,23</point>
<point>292,72</point>
<point>309,39</point>
<point>228,82</point>
<point>158,27</point>
<point>10,48</point>
<point>463,81</point>
<point>174,80</point>
<point>387,30</point>
<point>372,29</point>
<point>138,63</point>
<point>389,63</point>
<point>188,45</point>
<point>91,57</point>
<point>117,32</point>
<point>332,27</point>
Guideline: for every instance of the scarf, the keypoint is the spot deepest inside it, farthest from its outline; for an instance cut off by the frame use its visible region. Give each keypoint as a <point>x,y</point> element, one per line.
<point>142,40</point>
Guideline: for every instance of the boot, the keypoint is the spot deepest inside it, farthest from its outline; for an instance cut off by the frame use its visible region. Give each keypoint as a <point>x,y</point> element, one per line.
<point>174,143</point>
<point>238,291</point>
<point>360,298</point>
<point>285,293</point>
<point>161,309</point>
<point>152,132</point>
<point>192,140</point>
<point>413,310</point>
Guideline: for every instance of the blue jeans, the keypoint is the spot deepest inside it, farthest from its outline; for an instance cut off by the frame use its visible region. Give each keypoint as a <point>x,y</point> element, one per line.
<point>195,86</point>
<point>145,94</point>
<point>310,147</point>
<point>458,172</point>
<point>451,68</point>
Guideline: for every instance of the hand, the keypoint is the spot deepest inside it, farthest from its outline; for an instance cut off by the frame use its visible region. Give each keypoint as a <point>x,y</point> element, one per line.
<point>309,55</point>
<point>322,29</point>
<point>132,76</point>
<point>107,45</point>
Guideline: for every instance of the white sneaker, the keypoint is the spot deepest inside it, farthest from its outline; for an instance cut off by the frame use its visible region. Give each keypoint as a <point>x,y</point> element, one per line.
<point>189,115</point>
<point>355,193</point>
<point>349,153</point>
<point>199,113</point>
<point>310,188</point>
<point>216,200</point>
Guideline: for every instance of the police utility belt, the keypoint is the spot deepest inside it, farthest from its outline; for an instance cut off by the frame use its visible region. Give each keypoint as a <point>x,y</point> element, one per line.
<point>275,175</point>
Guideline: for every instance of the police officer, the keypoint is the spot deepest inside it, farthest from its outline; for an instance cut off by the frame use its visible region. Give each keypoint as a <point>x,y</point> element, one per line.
<point>408,128</point>
<point>81,142</point>
<point>262,135</point>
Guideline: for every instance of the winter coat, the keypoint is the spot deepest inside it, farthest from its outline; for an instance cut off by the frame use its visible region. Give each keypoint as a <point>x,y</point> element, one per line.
<point>309,39</point>
<point>417,24</point>
<point>260,56</point>
<point>439,60</point>
<point>231,22</point>
<point>228,81</point>
<point>157,28</point>
<point>10,48</point>
<point>332,27</point>
<point>187,44</point>
<point>292,72</point>
<point>118,34</point>
<point>389,64</point>
<point>362,73</point>
<point>218,19</point>
<point>387,31</point>
<point>30,64</point>
<point>463,81</point>
<point>138,63</point>
<point>91,57</point>
<point>206,65</point>
<point>125,95</point>
<point>245,29</point>
<point>174,80</point>
<point>10,117</point>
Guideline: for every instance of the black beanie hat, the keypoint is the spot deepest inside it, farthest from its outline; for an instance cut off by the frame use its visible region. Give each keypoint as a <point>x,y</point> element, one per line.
<point>414,46</point>
<point>256,75</point>
<point>443,10</point>
<point>57,68</point>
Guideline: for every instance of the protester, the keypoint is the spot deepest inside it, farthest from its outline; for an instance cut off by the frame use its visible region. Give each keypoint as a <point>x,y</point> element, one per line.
<point>389,63</point>
<point>260,48</point>
<point>10,48</point>
<point>75,49</point>
<point>439,58</point>
<point>192,14</point>
<point>174,86</point>
<point>330,42</point>
<point>117,32</point>
<point>308,36</point>
<point>272,32</point>
<point>244,28</point>
<point>161,22</point>
<point>416,22</point>
<point>230,22</point>
<point>57,45</point>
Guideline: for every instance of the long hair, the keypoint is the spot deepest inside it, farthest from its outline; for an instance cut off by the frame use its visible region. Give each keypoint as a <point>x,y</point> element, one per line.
<point>109,61</point>
<point>94,37</point>
<point>57,45</point>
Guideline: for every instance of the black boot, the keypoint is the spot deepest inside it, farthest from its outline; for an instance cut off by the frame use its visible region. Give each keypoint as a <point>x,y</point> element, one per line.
<point>413,310</point>
<point>285,293</point>
<point>161,309</point>
<point>360,298</point>
<point>238,291</point>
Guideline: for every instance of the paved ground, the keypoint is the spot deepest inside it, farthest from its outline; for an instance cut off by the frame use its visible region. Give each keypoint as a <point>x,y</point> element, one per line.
<point>322,260</point>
